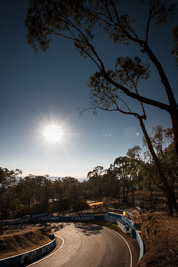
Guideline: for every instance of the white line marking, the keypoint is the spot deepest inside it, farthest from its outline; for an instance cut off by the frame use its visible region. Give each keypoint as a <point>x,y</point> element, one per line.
<point>125,242</point>
<point>50,253</point>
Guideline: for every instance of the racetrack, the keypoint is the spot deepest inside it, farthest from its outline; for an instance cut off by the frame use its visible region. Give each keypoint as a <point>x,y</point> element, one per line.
<point>88,245</point>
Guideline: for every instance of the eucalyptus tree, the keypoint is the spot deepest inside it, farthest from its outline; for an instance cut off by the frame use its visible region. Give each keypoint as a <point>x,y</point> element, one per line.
<point>111,187</point>
<point>42,192</point>
<point>110,90</point>
<point>121,167</point>
<point>95,178</point>
<point>175,47</point>
<point>63,204</point>
<point>134,168</point>
<point>78,20</point>
<point>163,143</point>
<point>71,195</point>
<point>29,189</point>
<point>8,193</point>
<point>151,179</point>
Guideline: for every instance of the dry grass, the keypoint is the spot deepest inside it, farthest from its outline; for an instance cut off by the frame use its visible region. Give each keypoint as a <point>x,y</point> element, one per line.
<point>18,241</point>
<point>160,236</point>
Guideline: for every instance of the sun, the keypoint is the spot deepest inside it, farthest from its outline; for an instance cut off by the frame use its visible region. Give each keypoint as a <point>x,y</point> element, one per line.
<point>53,133</point>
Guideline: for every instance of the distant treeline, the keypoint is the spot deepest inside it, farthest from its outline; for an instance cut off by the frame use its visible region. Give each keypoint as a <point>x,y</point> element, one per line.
<point>136,170</point>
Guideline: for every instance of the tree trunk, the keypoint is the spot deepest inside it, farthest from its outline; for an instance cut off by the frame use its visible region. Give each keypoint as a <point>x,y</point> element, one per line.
<point>1,227</point>
<point>170,207</point>
<point>29,206</point>
<point>169,192</point>
<point>174,118</point>
<point>151,194</point>
<point>133,199</point>
<point>1,207</point>
<point>173,108</point>
<point>123,192</point>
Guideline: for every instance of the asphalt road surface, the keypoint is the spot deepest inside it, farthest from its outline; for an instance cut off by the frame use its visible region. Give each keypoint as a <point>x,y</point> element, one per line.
<point>87,245</point>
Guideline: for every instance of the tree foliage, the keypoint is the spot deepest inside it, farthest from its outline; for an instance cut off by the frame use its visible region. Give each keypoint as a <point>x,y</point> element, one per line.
<point>175,47</point>
<point>162,140</point>
<point>8,192</point>
<point>78,21</point>
<point>111,90</point>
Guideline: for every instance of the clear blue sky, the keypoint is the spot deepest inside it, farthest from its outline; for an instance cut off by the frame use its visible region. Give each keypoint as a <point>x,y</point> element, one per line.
<point>40,88</point>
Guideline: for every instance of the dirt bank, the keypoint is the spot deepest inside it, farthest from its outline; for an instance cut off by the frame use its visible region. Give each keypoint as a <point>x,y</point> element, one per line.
<point>160,235</point>
<point>18,241</point>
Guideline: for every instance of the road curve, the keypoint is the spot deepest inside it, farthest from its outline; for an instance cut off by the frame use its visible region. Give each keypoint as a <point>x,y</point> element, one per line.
<point>87,245</point>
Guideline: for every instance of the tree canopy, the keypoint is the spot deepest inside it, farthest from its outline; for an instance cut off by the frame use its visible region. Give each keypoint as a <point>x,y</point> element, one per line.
<point>112,89</point>
<point>78,20</point>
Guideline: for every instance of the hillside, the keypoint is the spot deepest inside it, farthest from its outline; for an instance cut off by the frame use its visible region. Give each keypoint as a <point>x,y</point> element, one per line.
<point>18,241</point>
<point>160,235</point>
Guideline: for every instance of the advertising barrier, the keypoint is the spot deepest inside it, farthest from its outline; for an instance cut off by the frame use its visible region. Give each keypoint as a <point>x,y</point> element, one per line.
<point>43,219</point>
<point>28,257</point>
<point>126,226</point>
<point>140,243</point>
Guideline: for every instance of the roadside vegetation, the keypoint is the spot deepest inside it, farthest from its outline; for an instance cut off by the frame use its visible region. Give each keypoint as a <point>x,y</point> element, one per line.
<point>136,171</point>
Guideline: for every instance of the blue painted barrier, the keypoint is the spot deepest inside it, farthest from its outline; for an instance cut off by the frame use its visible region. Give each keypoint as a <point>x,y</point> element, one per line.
<point>126,225</point>
<point>43,219</point>
<point>28,257</point>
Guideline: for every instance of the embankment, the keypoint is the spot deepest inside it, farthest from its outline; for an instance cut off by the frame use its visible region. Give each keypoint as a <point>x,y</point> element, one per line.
<point>18,241</point>
<point>160,236</point>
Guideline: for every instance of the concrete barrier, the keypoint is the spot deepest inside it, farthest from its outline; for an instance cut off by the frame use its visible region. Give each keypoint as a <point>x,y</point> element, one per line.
<point>127,227</point>
<point>44,219</point>
<point>28,257</point>
<point>140,243</point>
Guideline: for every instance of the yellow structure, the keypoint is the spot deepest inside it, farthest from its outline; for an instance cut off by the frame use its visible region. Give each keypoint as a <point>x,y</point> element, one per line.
<point>124,213</point>
<point>96,204</point>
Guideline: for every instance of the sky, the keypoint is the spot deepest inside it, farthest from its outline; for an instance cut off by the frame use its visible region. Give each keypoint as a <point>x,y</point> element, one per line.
<point>42,88</point>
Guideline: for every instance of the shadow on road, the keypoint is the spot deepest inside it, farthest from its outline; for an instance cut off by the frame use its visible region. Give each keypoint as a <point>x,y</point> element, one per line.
<point>89,229</point>
<point>56,226</point>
